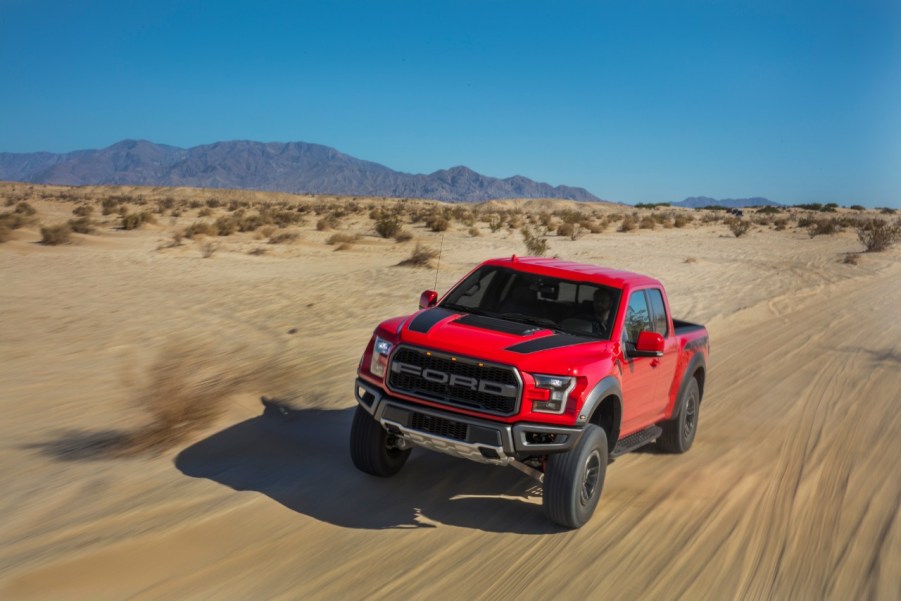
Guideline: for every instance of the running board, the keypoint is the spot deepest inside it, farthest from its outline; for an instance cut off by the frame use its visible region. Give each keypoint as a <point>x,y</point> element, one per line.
<point>633,441</point>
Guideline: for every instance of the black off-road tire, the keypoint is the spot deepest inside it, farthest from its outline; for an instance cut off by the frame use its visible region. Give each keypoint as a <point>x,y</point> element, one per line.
<point>679,432</point>
<point>573,481</point>
<point>369,447</point>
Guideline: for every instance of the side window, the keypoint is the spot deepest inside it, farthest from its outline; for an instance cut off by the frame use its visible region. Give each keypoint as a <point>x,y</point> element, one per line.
<point>638,318</point>
<point>659,321</point>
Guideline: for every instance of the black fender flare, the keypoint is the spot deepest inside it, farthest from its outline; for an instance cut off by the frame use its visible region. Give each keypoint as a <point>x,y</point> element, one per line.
<point>608,386</point>
<point>696,362</point>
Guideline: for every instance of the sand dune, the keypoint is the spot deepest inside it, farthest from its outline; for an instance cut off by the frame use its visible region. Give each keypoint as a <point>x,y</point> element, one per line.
<point>792,489</point>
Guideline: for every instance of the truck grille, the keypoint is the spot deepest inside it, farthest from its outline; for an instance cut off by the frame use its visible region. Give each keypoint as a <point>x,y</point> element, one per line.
<point>455,380</point>
<point>438,426</point>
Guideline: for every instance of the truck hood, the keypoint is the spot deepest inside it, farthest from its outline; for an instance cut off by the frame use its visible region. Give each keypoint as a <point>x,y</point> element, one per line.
<point>529,347</point>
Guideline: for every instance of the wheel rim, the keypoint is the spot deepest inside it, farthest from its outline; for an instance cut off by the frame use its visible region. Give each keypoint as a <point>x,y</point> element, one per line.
<point>590,479</point>
<point>691,418</point>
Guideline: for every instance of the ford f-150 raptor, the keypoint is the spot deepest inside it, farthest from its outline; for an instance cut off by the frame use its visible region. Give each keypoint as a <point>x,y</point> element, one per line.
<point>551,367</point>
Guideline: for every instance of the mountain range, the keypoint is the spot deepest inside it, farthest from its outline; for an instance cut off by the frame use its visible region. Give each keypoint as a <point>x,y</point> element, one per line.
<point>296,167</point>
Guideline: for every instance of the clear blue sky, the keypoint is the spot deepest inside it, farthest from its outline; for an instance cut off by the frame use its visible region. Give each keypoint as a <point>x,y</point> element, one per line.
<point>635,101</point>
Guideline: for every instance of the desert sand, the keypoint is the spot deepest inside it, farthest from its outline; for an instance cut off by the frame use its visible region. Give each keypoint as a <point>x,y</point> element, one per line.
<point>791,491</point>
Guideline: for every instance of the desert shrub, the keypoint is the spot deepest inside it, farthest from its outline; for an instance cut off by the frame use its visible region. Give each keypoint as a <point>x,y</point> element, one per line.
<point>495,222</point>
<point>342,239</point>
<point>250,223</point>
<point>739,227</point>
<point>887,211</point>
<point>823,227</point>
<point>420,257</point>
<point>474,232</point>
<point>13,221</point>
<point>403,236</point>
<point>213,203</point>
<point>258,251</point>
<point>225,226</point>
<point>387,226</point>
<point>208,249</point>
<point>23,208</point>
<point>109,205</point>
<point>200,228</point>
<point>52,235</point>
<point>437,223</point>
<point>857,208</point>
<point>131,221</point>
<point>780,223</point>
<point>283,237</point>
<point>82,225</point>
<point>205,212</point>
<point>878,235</point>
<point>83,211</point>
<point>647,223</point>
<point>682,219</point>
<point>536,244</point>
<point>629,224</point>
<point>286,218</point>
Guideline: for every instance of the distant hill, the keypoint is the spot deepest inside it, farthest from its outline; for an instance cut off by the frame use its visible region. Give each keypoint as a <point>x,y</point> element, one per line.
<point>295,167</point>
<point>694,202</point>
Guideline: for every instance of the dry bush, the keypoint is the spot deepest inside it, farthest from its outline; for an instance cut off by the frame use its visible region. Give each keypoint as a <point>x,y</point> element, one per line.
<point>474,232</point>
<point>225,226</point>
<point>283,237</point>
<point>629,224</point>
<point>437,223</point>
<point>824,227</point>
<point>83,210</point>
<point>342,239</point>
<point>132,221</point>
<point>200,228</point>
<point>421,257</point>
<point>739,227</point>
<point>878,235</point>
<point>23,208</point>
<point>14,221</point>
<point>56,234</point>
<point>208,249</point>
<point>536,244</point>
<point>403,236</point>
<point>258,251</point>
<point>205,213</point>
<point>780,223</point>
<point>387,226</point>
<point>682,219</point>
<point>82,225</point>
<point>647,223</point>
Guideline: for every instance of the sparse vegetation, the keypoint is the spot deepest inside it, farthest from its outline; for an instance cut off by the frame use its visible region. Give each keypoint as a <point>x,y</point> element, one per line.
<point>283,237</point>
<point>536,244</point>
<point>878,235</point>
<point>387,226</point>
<point>739,227</point>
<point>422,256</point>
<point>208,249</point>
<point>53,235</point>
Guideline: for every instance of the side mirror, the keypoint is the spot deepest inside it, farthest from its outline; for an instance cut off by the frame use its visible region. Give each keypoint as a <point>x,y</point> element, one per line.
<point>428,299</point>
<point>650,344</point>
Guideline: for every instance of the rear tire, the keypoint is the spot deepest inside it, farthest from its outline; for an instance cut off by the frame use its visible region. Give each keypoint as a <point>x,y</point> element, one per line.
<point>573,481</point>
<point>679,432</point>
<point>371,449</point>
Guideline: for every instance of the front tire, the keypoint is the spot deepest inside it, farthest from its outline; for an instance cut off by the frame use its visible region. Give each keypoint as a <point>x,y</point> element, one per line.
<point>371,447</point>
<point>679,432</point>
<point>573,481</point>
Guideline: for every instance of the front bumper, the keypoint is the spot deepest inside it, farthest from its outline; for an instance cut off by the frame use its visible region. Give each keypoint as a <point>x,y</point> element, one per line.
<point>480,440</point>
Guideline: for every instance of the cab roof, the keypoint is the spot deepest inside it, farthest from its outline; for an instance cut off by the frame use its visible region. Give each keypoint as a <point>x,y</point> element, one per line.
<point>576,271</point>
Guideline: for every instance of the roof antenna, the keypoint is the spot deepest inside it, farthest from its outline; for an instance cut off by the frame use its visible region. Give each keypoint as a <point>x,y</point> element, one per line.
<point>440,248</point>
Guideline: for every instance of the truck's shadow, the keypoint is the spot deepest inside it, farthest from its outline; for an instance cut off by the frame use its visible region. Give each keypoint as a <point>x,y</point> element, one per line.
<point>300,458</point>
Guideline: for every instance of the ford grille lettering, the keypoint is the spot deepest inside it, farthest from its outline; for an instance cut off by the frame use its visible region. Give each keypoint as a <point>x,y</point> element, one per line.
<point>440,377</point>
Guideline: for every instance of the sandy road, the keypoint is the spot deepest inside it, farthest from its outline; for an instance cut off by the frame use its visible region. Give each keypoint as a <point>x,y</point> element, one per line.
<point>792,489</point>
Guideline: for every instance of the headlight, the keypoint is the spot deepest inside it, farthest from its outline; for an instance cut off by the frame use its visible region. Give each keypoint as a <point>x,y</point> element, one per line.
<point>380,350</point>
<point>558,389</point>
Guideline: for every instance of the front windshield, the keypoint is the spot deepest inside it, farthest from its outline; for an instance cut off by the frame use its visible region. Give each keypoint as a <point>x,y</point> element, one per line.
<point>581,308</point>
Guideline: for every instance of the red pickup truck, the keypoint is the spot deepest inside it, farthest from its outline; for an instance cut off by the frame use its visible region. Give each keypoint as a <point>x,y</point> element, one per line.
<point>551,367</point>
